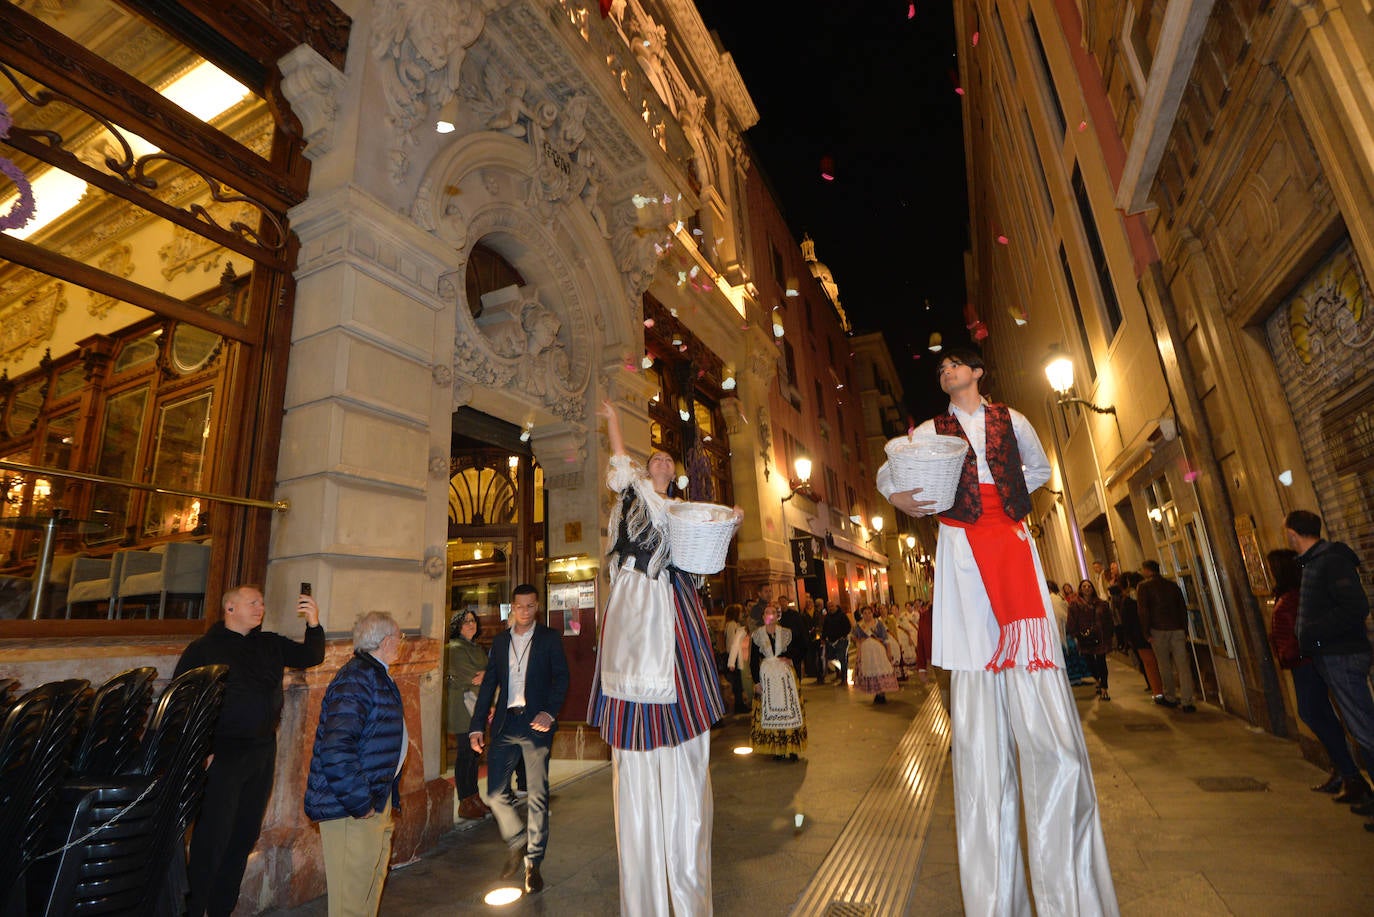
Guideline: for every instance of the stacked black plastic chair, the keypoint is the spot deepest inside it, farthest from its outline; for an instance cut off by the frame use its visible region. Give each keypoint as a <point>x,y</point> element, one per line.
<point>135,864</point>
<point>35,748</point>
<point>112,736</point>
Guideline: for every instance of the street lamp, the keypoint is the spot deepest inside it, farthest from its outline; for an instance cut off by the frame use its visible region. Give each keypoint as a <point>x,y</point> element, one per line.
<point>802,466</point>
<point>1059,372</point>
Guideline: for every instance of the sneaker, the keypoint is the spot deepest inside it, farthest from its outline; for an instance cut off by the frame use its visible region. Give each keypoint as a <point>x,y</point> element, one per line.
<point>1188,708</point>
<point>1165,702</point>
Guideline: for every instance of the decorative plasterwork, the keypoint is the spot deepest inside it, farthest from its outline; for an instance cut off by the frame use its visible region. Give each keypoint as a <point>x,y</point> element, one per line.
<point>312,86</point>
<point>117,262</point>
<point>32,321</point>
<point>420,46</point>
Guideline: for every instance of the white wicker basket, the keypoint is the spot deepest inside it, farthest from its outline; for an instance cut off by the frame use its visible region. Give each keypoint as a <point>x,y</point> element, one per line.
<point>699,536</point>
<point>932,463</point>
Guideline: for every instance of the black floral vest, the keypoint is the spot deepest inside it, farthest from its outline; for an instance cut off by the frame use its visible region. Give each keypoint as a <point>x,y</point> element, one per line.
<point>1004,460</point>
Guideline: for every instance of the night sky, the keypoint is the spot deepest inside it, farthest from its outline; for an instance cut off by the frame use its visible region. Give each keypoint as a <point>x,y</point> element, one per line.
<point>872,90</point>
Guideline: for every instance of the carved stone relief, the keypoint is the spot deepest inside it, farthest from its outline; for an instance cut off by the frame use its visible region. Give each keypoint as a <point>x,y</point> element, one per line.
<point>312,86</point>
<point>420,45</point>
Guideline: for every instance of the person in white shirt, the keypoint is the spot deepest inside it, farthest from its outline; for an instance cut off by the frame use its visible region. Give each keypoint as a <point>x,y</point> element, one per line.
<point>994,630</point>
<point>529,670</point>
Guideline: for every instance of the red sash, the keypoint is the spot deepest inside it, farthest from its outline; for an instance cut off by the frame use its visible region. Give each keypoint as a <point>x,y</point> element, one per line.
<point>1001,548</point>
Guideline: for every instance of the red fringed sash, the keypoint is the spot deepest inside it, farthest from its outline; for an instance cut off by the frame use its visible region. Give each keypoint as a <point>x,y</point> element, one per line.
<point>1001,548</point>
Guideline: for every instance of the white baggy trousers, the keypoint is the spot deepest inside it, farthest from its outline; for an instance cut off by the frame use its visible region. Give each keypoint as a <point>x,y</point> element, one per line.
<point>663,815</point>
<point>996,719</point>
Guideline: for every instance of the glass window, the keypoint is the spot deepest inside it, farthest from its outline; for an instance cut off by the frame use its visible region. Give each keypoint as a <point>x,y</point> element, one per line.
<point>68,381</point>
<point>141,351</point>
<point>183,432</point>
<point>121,433</point>
<point>193,348</point>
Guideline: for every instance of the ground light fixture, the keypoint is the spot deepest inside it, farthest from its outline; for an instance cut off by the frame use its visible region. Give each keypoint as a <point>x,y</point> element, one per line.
<point>743,750</point>
<point>500,897</point>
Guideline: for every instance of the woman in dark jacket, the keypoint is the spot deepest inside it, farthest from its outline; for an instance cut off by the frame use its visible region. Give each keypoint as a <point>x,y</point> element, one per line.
<point>1314,703</point>
<point>465,663</point>
<point>1090,624</point>
<point>355,767</point>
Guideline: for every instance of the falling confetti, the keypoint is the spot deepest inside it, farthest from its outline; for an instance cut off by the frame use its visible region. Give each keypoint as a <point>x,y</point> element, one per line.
<point>648,323</point>
<point>1082,126</point>
<point>958,90</point>
<point>828,167</point>
<point>975,39</point>
<point>911,11</point>
<point>1002,240</point>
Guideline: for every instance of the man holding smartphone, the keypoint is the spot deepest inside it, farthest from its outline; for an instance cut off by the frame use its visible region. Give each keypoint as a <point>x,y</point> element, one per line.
<point>244,749</point>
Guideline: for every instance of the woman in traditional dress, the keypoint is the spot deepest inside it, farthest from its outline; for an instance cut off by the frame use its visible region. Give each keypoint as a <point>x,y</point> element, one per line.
<point>466,662</point>
<point>779,725</point>
<point>874,674</point>
<point>655,694</point>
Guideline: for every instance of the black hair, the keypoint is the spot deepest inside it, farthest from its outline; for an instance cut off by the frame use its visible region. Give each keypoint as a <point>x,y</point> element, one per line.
<point>970,358</point>
<point>1151,565</point>
<point>1305,522</point>
<point>455,624</point>
<point>1284,565</point>
<point>523,589</point>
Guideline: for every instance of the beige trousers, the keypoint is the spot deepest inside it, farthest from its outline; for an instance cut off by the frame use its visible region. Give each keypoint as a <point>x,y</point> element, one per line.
<point>356,853</point>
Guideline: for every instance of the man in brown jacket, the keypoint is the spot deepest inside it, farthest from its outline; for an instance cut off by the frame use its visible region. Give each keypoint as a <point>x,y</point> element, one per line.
<point>1164,618</point>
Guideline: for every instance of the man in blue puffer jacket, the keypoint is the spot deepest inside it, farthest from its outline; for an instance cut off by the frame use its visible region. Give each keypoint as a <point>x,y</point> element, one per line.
<point>355,768</point>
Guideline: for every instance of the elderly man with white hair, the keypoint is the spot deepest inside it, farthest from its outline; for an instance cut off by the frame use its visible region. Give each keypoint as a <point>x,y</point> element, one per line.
<point>355,768</point>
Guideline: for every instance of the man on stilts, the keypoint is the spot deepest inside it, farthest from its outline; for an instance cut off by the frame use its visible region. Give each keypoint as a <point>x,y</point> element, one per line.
<point>994,631</point>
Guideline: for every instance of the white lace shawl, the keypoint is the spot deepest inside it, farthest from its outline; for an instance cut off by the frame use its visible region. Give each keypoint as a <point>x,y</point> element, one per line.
<point>646,522</point>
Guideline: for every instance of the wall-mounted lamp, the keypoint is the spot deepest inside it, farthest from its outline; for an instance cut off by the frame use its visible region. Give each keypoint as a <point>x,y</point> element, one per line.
<point>802,480</point>
<point>778,330</point>
<point>910,542</point>
<point>1059,372</point>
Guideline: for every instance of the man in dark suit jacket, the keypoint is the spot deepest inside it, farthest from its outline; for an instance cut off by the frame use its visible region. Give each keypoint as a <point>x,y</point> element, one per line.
<point>528,666</point>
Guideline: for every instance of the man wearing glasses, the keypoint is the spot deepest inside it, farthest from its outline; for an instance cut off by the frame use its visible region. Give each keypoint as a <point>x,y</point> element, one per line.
<point>994,630</point>
<point>529,668</point>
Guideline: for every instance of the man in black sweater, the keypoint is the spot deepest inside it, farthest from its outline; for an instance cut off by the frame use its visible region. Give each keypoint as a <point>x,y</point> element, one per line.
<point>1163,615</point>
<point>244,750</point>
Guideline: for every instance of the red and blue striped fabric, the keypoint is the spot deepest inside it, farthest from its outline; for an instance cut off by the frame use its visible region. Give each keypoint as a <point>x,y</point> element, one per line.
<point>634,726</point>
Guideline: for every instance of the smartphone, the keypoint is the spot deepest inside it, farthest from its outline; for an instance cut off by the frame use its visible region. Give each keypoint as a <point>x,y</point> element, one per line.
<point>305,589</point>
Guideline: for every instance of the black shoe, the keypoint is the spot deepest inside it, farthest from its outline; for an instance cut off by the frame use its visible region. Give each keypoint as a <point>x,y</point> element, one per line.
<point>1165,702</point>
<point>779,757</point>
<point>880,698</point>
<point>1354,792</point>
<point>515,858</point>
<point>1332,784</point>
<point>1188,708</point>
<point>1364,808</point>
<point>792,757</point>
<point>1369,826</point>
<point>534,882</point>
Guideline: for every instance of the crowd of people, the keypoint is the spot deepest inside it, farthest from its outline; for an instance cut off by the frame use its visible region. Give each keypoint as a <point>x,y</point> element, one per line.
<point>998,625</point>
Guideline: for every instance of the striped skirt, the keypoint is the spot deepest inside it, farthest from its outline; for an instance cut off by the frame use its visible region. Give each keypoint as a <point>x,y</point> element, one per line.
<point>633,726</point>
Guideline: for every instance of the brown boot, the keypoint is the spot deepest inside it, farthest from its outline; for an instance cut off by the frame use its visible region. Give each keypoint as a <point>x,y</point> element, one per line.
<point>472,807</point>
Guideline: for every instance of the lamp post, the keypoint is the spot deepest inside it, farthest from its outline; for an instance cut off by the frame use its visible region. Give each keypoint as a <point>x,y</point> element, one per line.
<point>1059,372</point>
<point>802,467</point>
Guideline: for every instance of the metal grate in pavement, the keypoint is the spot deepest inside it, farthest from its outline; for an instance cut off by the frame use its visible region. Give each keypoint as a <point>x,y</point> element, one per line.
<point>850,909</point>
<point>1231,784</point>
<point>872,868</point>
<point>1145,727</point>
